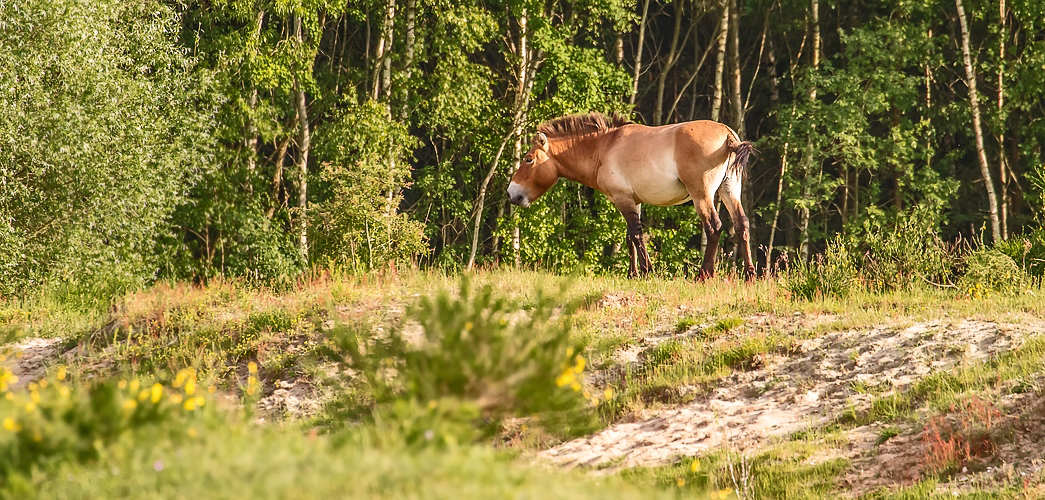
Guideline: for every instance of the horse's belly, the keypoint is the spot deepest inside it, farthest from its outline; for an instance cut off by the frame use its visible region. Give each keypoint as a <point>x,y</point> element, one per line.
<point>663,190</point>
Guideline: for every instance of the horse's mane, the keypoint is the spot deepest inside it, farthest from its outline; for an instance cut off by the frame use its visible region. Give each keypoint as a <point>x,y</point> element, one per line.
<point>582,124</point>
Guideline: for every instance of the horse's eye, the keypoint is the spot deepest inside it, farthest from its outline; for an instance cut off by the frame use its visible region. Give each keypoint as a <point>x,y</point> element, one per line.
<point>528,159</point>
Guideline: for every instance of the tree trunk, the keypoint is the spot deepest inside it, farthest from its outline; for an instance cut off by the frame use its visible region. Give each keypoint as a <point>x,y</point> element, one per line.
<point>637,70</point>
<point>252,139</point>
<point>805,212</point>
<point>672,57</point>
<point>522,104</point>
<point>720,62</point>
<point>408,63</point>
<point>1003,163</point>
<point>382,56</point>
<point>974,104</point>
<point>303,146</point>
<point>734,54</point>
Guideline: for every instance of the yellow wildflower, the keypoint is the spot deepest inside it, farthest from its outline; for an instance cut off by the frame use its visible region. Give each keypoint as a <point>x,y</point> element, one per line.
<point>192,432</point>
<point>567,378</point>
<point>64,391</point>
<point>176,398</point>
<point>179,379</point>
<point>157,392</point>
<point>695,466</point>
<point>608,395</point>
<point>30,407</point>
<point>199,401</point>
<point>580,364</point>
<point>190,404</point>
<point>35,396</point>
<point>129,405</point>
<point>190,387</point>
<point>252,367</point>
<point>135,384</point>
<point>211,389</point>
<point>61,373</point>
<point>43,384</point>
<point>468,326</point>
<point>122,384</point>
<point>681,482</point>
<point>11,425</point>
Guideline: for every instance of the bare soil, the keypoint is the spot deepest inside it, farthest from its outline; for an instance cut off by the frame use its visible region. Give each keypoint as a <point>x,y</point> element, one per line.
<point>828,376</point>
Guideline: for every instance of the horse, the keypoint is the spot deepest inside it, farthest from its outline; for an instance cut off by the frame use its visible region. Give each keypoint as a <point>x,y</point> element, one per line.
<point>634,164</point>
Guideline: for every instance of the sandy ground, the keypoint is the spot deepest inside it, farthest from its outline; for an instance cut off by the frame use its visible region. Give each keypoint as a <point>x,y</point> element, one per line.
<point>828,376</point>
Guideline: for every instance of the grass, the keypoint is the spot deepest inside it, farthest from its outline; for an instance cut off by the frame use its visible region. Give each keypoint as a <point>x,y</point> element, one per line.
<point>690,335</point>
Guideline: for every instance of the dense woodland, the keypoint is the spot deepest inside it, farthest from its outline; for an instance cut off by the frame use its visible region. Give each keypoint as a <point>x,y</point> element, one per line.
<point>187,139</point>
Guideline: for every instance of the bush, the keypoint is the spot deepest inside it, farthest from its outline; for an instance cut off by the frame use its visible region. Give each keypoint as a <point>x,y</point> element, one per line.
<point>989,270</point>
<point>901,254</point>
<point>54,420</point>
<point>1028,251</point>
<point>829,275</point>
<point>477,360</point>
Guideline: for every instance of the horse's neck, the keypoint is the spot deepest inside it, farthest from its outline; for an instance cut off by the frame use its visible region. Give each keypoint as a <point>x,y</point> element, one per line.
<point>578,160</point>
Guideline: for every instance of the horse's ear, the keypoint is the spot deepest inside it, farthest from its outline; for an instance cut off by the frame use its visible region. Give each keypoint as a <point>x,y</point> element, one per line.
<point>541,140</point>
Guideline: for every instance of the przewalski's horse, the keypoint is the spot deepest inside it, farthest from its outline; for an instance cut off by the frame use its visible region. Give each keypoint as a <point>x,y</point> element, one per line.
<point>634,164</point>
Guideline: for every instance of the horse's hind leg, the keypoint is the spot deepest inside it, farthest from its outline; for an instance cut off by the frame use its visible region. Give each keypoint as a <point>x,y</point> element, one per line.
<point>712,227</point>
<point>730,194</point>
<point>639,258</point>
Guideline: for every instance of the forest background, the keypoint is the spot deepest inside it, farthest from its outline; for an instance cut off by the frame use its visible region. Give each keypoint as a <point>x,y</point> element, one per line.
<point>184,140</point>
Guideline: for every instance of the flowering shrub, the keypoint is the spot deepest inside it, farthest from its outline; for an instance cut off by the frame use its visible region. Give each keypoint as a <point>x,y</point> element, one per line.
<point>479,360</point>
<point>56,420</point>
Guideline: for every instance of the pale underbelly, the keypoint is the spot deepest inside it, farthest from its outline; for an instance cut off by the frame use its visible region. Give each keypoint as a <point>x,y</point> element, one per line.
<point>664,194</point>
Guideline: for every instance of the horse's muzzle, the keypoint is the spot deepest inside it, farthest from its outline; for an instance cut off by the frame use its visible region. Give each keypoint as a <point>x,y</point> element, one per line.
<point>517,195</point>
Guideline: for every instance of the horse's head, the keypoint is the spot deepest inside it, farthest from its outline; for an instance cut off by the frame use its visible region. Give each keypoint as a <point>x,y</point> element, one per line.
<point>537,173</point>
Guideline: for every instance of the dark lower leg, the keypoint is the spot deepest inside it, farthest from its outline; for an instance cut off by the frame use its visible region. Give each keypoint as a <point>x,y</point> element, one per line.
<point>640,261</point>
<point>707,270</point>
<point>744,245</point>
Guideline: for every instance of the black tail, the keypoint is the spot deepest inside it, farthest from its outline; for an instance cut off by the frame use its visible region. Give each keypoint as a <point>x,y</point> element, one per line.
<point>742,156</point>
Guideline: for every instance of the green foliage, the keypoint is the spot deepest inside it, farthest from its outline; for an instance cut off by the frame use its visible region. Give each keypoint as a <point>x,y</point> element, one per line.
<point>902,254</point>
<point>357,225</point>
<point>829,275</point>
<point>102,128</point>
<point>1027,250</point>
<point>477,360</point>
<point>989,270</point>
<point>58,420</point>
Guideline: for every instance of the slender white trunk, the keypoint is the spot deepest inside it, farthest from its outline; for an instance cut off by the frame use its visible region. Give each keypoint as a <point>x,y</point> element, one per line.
<point>408,63</point>
<point>720,63</point>
<point>734,54</point>
<point>669,62</point>
<point>974,104</point>
<point>382,56</point>
<point>521,105</point>
<point>637,70</point>
<point>303,147</point>
<point>1003,163</point>
<point>805,212</point>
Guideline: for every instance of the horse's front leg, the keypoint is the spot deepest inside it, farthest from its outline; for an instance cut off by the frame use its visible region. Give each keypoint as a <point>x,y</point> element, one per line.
<point>712,227</point>
<point>640,263</point>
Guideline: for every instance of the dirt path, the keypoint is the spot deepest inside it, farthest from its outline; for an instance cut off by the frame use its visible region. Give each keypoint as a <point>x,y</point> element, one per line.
<point>828,376</point>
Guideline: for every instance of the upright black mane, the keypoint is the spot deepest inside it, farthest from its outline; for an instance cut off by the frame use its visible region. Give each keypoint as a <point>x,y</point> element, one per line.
<point>582,124</point>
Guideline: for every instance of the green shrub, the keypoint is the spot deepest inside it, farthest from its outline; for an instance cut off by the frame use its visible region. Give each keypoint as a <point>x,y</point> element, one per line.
<point>477,360</point>
<point>989,270</point>
<point>1028,251</point>
<point>828,275</point>
<point>901,254</point>
<point>57,420</point>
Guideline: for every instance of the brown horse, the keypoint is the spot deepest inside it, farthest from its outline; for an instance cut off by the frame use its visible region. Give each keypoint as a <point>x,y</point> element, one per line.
<point>634,164</point>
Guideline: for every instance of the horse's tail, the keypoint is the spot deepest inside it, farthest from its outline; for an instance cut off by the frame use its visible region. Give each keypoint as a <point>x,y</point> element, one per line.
<point>741,156</point>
